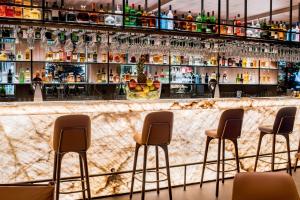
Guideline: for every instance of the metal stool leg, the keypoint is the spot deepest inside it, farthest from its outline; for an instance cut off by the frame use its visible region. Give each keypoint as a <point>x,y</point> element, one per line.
<point>258,150</point>
<point>137,147</point>
<point>165,148</point>
<point>273,153</point>
<point>208,139</point>
<point>157,169</point>
<point>82,177</point>
<point>296,162</point>
<point>223,160</point>
<point>86,171</point>
<point>289,153</point>
<point>218,167</point>
<point>237,159</point>
<point>144,171</point>
<point>58,168</point>
<point>55,167</point>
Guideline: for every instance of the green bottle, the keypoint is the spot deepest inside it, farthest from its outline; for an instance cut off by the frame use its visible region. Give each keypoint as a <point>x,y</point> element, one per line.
<point>204,25</point>
<point>22,76</point>
<point>199,23</point>
<point>127,12</point>
<point>2,91</point>
<point>132,16</point>
<point>208,26</point>
<point>139,16</point>
<point>213,22</point>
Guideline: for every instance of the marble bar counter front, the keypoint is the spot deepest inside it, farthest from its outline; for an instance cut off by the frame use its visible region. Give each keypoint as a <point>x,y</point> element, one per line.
<point>26,128</point>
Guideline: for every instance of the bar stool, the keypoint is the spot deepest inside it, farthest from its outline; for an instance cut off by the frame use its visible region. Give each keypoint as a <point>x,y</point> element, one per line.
<point>283,125</point>
<point>230,127</point>
<point>72,133</point>
<point>157,132</point>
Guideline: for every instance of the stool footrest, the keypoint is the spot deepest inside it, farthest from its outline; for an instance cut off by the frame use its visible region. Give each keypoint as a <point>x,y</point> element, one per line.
<point>71,192</point>
<point>213,163</point>
<point>154,171</point>
<point>276,163</point>
<point>72,180</point>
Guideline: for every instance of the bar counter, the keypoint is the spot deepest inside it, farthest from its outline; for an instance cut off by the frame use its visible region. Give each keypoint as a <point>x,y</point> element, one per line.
<point>26,128</point>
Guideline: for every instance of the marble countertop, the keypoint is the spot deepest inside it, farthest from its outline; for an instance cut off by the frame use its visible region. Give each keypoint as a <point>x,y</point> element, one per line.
<point>113,106</point>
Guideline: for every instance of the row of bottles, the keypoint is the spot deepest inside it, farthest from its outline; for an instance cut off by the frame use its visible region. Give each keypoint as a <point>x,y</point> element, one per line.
<point>20,12</point>
<point>243,62</point>
<point>273,30</point>
<point>23,76</point>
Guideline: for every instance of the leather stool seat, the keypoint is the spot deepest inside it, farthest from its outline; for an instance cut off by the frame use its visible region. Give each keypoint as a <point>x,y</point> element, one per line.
<point>266,129</point>
<point>212,133</point>
<point>264,186</point>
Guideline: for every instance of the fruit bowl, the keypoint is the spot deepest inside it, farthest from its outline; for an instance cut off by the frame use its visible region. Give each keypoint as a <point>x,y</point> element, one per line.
<point>143,91</point>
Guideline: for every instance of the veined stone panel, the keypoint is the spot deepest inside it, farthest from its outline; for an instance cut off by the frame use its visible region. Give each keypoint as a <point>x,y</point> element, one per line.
<point>26,128</point>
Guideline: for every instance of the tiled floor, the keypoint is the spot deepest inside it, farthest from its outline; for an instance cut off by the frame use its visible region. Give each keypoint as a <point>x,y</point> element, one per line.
<point>195,193</point>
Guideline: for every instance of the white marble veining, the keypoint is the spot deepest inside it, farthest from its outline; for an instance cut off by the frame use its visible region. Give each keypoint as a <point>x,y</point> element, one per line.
<point>25,131</point>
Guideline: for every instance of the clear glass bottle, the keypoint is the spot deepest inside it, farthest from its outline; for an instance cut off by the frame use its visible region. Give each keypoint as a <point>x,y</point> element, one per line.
<point>119,17</point>
<point>170,23</point>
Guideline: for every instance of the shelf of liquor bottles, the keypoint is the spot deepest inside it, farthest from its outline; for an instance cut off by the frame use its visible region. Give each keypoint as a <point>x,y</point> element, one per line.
<point>126,16</point>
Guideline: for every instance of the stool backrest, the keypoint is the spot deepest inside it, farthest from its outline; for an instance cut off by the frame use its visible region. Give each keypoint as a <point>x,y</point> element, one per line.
<point>72,133</point>
<point>264,186</point>
<point>230,125</point>
<point>284,121</point>
<point>157,129</point>
<point>27,192</point>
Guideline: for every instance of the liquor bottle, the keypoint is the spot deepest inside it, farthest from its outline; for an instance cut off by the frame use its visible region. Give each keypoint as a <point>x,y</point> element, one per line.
<point>213,22</point>
<point>35,14</point>
<point>244,62</point>
<point>237,23</point>
<point>21,76</point>
<point>203,20</point>
<point>132,17</point>
<point>109,19</point>
<point>2,10</point>
<point>273,31</point>
<point>176,23</point>
<point>27,55</point>
<point>281,34</point>
<point>170,23</point>
<point>54,11</point>
<point>18,10</point>
<point>127,13</point>
<point>94,19</point>
<point>71,16</point>
<point>62,12</point>
<point>163,21</point>
<point>83,16</point>
<point>189,17</point>
<point>101,14</point>
<point>206,78</point>
<point>98,80</point>
<point>47,12</point>
<point>2,91</point>
<point>199,23</point>
<point>10,11</point>
<point>208,26</point>
<point>103,76</point>
<point>95,57</point>
<point>27,76</point>
<point>297,31</point>
<point>119,17</point>
<point>145,22</point>
<point>182,23</point>
<point>152,20</point>
<point>111,76</point>
<point>224,77</point>
<point>9,76</point>
<point>138,14</point>
<point>237,79</point>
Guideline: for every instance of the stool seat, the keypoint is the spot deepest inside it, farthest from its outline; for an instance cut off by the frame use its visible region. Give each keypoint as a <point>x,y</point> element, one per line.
<point>138,138</point>
<point>212,133</point>
<point>268,129</point>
